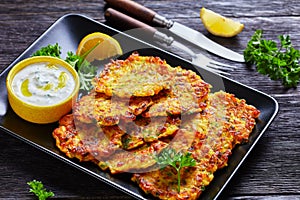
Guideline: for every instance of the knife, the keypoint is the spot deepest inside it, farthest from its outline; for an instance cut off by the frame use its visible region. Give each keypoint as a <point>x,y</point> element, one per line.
<point>151,17</point>
<point>147,32</point>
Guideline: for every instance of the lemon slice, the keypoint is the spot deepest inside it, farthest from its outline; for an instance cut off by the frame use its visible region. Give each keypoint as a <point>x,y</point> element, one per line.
<point>98,46</point>
<point>219,25</point>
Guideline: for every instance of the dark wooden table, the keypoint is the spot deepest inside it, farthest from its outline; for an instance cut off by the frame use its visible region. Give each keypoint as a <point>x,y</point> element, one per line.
<point>272,171</point>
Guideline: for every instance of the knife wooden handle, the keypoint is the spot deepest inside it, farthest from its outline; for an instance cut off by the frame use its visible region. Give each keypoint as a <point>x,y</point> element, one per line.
<point>134,9</point>
<point>126,22</point>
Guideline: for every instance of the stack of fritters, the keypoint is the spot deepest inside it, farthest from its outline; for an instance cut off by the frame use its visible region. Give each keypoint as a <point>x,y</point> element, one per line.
<point>226,122</point>
<point>142,105</point>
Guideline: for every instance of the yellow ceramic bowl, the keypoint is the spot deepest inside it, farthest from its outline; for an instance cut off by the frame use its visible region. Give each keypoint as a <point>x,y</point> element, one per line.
<point>32,112</point>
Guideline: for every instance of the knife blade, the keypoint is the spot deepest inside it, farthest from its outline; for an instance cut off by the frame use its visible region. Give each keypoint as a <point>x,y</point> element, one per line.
<point>148,16</point>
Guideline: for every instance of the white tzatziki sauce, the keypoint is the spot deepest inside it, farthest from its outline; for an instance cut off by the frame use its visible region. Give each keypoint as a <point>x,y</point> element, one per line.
<point>43,84</point>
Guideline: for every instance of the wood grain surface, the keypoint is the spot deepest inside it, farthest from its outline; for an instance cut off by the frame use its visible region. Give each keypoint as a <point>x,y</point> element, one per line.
<point>272,170</point>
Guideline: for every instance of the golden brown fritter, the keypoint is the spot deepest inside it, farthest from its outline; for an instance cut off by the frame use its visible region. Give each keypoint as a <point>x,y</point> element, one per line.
<point>144,130</point>
<point>134,76</point>
<point>86,142</point>
<point>187,94</point>
<point>162,183</point>
<point>68,142</point>
<point>108,111</point>
<point>226,121</point>
<point>133,161</point>
<point>167,103</point>
<point>190,90</point>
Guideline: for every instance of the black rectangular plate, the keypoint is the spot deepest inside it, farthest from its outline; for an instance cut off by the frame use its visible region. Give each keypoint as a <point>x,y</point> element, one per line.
<point>67,32</point>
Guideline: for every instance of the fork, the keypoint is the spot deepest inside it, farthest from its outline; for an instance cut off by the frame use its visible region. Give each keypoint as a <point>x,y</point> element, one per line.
<point>200,60</point>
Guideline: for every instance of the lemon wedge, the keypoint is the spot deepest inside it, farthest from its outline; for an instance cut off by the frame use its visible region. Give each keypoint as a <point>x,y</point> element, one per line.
<point>98,46</point>
<point>219,25</point>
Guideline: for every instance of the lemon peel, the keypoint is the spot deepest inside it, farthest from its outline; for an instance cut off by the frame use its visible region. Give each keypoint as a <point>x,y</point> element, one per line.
<point>98,46</point>
<point>219,25</point>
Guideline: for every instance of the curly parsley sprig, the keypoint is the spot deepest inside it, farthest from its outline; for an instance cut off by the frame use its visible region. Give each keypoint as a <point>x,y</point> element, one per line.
<point>38,189</point>
<point>86,71</point>
<point>177,160</point>
<point>50,50</point>
<point>279,62</point>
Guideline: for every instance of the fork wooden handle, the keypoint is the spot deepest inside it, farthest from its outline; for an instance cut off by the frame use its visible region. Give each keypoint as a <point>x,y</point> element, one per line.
<point>134,9</point>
